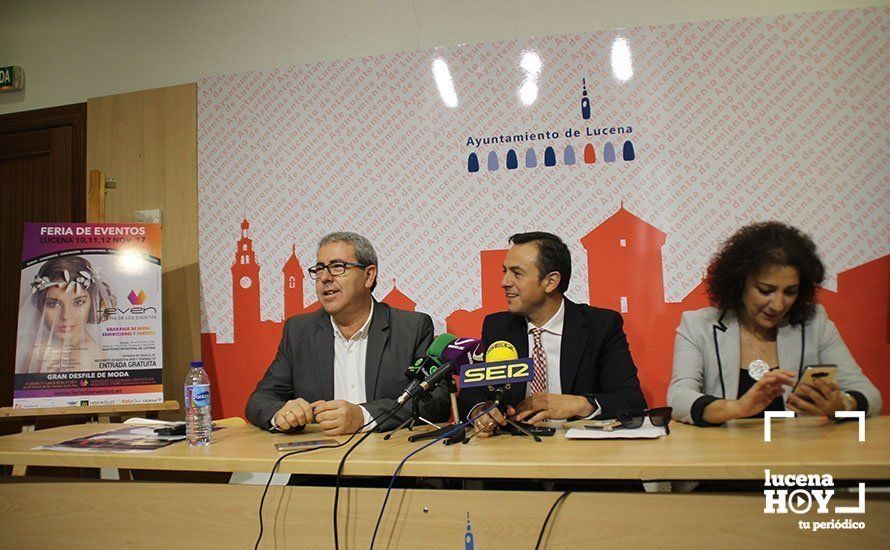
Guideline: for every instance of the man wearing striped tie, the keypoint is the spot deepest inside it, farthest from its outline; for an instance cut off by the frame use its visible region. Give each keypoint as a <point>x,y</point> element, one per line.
<point>583,366</point>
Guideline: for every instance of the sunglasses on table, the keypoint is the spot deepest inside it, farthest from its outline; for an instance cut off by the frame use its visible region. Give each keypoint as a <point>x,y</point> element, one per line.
<point>660,417</point>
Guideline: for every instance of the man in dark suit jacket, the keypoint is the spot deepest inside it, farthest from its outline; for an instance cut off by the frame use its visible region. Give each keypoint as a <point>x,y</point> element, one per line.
<point>588,370</point>
<point>343,365</point>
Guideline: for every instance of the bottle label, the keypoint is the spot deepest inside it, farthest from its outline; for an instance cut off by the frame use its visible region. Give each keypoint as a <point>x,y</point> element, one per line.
<point>197,395</point>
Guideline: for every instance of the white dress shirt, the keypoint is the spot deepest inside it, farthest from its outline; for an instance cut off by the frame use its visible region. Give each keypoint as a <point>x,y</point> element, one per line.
<point>551,340</point>
<point>349,366</point>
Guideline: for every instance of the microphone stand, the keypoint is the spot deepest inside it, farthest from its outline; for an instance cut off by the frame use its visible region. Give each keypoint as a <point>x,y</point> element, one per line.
<point>498,400</point>
<point>413,420</point>
<point>455,419</point>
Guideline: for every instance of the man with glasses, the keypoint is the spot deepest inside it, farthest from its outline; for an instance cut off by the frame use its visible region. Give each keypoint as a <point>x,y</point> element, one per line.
<point>343,365</point>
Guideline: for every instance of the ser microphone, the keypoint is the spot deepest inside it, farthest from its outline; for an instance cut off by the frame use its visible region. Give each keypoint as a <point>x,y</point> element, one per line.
<point>502,367</point>
<point>501,350</point>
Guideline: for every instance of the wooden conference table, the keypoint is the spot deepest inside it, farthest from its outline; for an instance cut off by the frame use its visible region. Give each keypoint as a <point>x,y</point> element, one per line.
<point>84,513</point>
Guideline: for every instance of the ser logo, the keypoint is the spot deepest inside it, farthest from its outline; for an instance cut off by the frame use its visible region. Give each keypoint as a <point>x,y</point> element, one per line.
<point>496,373</point>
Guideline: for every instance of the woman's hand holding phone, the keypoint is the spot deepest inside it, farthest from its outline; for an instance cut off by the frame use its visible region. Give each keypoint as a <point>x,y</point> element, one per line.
<point>821,397</point>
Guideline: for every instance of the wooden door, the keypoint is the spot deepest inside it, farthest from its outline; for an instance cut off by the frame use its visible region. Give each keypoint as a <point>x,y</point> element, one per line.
<point>42,179</point>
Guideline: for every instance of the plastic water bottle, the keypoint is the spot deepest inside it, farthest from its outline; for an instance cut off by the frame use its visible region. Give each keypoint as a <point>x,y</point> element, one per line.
<point>198,425</point>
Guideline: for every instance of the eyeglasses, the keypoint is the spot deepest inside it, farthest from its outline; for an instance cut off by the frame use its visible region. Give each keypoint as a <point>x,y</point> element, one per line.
<point>334,268</point>
<point>659,417</point>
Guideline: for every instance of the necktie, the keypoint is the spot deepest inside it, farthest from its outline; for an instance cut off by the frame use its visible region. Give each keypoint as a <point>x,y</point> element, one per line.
<point>539,383</point>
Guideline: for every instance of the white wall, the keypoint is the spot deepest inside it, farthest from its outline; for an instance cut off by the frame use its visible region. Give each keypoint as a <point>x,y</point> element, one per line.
<point>74,50</point>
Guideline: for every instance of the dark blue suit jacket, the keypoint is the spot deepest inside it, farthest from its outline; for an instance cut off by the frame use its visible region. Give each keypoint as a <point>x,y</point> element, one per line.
<point>595,359</point>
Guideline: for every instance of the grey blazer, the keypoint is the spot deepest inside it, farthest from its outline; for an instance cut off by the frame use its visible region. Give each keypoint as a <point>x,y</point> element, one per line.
<point>707,354</point>
<point>304,365</point>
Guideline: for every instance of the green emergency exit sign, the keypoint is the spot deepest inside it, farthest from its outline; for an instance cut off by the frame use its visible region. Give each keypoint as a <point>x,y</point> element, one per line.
<point>10,78</point>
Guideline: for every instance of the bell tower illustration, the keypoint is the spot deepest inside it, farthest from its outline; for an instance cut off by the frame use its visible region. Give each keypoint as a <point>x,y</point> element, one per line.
<point>633,247</point>
<point>245,286</point>
<point>293,285</point>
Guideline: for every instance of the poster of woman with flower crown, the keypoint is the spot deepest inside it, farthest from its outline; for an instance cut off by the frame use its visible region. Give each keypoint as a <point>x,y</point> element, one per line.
<point>89,323</point>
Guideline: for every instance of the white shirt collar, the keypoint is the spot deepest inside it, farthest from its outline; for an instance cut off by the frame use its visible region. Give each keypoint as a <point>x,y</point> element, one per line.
<point>361,333</point>
<point>554,325</point>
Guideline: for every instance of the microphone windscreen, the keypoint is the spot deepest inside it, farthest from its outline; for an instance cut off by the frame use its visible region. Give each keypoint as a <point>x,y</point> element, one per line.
<point>501,350</point>
<point>439,344</point>
<point>460,351</point>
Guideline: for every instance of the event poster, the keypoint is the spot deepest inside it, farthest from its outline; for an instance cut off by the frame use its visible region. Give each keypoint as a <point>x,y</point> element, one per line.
<point>89,321</point>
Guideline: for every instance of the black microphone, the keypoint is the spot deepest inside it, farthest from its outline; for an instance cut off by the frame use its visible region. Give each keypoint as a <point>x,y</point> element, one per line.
<point>422,368</point>
<point>457,352</point>
<point>419,371</point>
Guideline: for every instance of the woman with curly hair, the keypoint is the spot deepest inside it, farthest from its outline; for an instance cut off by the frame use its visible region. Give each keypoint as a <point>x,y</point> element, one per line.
<point>67,301</point>
<point>741,357</point>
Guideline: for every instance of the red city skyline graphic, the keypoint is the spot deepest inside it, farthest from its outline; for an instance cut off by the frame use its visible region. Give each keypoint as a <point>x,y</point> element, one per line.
<point>624,262</point>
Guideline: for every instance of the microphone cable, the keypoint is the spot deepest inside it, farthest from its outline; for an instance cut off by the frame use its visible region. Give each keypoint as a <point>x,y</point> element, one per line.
<point>389,414</point>
<point>395,474</point>
<point>561,498</point>
<point>342,463</point>
<point>298,451</point>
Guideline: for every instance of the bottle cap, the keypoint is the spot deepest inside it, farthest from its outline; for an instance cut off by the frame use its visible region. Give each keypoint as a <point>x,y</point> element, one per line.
<point>197,364</point>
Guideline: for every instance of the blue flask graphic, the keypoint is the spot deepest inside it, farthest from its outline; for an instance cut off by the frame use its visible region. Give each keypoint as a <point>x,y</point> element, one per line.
<point>609,152</point>
<point>492,161</point>
<point>512,161</point>
<point>628,152</point>
<point>568,155</point>
<point>585,101</point>
<point>472,163</point>
<point>549,157</point>
<point>469,543</point>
